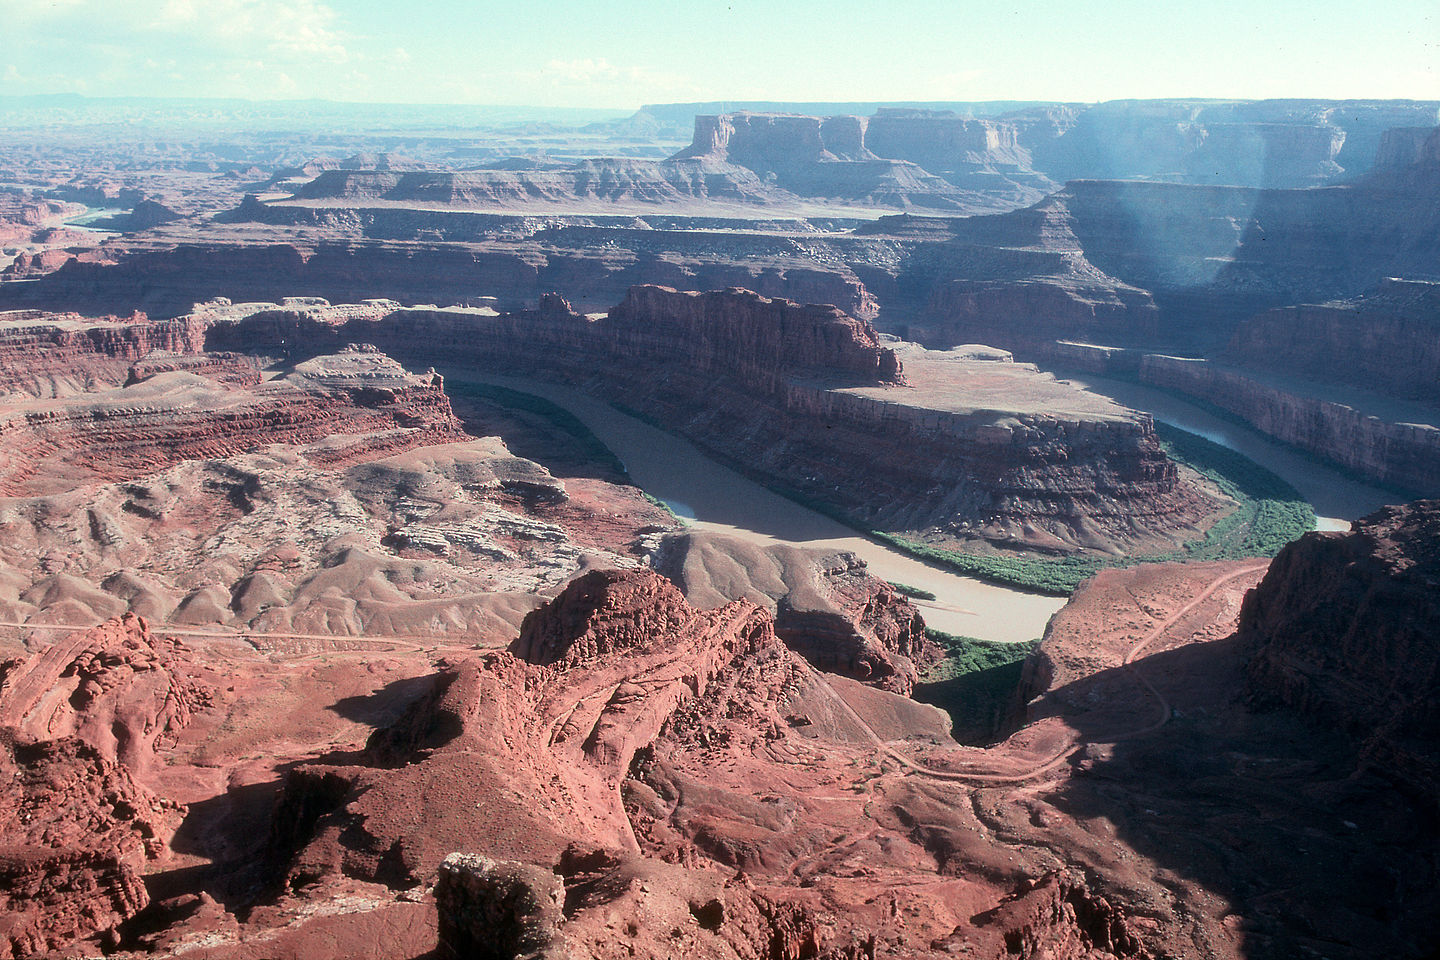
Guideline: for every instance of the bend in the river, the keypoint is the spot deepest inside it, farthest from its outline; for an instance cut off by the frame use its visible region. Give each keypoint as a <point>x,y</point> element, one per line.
<point>713,497</point>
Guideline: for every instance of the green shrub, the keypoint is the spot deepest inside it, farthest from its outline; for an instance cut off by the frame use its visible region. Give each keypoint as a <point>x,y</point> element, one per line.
<point>1269,514</point>
<point>910,591</point>
<point>975,683</point>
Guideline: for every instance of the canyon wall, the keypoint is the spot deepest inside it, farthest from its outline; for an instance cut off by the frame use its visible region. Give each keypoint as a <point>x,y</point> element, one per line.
<point>1265,144</point>
<point>761,384</point>
<point>607,180</point>
<point>1346,629</point>
<point>1387,340</point>
<point>899,157</point>
<point>1401,454</point>
<point>169,280</point>
<point>39,351</point>
<point>1027,315</point>
<point>360,405</point>
<point>1203,256</point>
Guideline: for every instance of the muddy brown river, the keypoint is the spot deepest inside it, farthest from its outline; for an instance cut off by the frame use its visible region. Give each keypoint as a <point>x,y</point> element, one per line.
<point>710,496</point>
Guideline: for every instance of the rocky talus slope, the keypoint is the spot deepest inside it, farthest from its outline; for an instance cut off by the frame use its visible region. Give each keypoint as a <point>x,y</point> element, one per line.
<point>636,776</point>
<point>827,608</point>
<point>339,496</point>
<point>570,774</point>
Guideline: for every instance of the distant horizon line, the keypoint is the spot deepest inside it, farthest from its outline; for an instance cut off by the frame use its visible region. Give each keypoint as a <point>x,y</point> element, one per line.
<point>76,96</point>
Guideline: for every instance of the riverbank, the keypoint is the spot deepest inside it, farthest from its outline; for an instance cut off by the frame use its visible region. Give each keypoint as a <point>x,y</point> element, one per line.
<point>1269,513</point>
<point>710,496</point>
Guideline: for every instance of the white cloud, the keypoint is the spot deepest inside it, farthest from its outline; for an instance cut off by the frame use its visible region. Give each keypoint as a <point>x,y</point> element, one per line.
<point>289,29</point>
<point>255,48</point>
<point>596,81</point>
<point>586,70</point>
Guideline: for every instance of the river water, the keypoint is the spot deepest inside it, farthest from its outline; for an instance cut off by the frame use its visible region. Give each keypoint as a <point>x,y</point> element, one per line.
<point>1336,498</point>
<point>713,497</point>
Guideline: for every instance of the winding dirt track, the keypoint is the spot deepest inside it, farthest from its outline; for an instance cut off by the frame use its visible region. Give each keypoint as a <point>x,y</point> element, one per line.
<point>1045,766</point>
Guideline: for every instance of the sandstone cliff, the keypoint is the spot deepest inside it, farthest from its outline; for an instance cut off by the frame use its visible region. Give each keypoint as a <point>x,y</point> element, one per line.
<point>604,180</point>
<point>46,354</point>
<point>1394,443</point>
<point>361,405</point>
<point>747,336</point>
<point>1346,628</point>
<point>908,158</point>
<point>167,280</point>
<point>1387,340</point>
<point>1098,258</point>
<point>771,385</point>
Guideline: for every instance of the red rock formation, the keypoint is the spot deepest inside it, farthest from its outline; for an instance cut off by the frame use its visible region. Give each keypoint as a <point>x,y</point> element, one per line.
<point>827,607</point>
<point>608,180</point>
<point>115,687</point>
<point>612,794</point>
<point>523,760</point>
<point>900,158</point>
<point>762,384</point>
<point>1346,628</point>
<point>168,279</point>
<point>878,637</point>
<point>1027,315</point>
<point>78,830</point>
<point>149,213</point>
<point>600,615</point>
<point>746,336</point>
<point>37,349</point>
<point>163,419</point>
<point>28,265</point>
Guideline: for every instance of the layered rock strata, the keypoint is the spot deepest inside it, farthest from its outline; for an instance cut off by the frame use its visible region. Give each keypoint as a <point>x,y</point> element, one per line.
<point>340,497</point>
<point>810,399</point>
<point>166,279</point>
<point>1387,340</point>
<point>39,351</point>
<point>1135,263</point>
<point>1394,442</point>
<point>352,406</point>
<point>898,158</point>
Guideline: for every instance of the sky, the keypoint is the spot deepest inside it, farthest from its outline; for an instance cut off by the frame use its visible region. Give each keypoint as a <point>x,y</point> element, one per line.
<point>624,53</point>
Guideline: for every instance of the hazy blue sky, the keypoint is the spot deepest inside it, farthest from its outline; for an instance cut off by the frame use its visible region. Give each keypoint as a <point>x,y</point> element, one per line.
<point>622,53</point>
